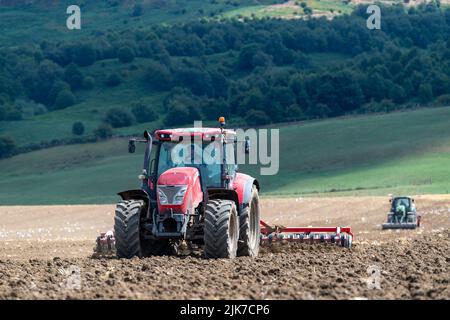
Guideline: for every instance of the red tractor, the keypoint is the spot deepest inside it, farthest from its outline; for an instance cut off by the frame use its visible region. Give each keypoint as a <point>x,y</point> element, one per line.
<point>195,202</point>
<point>209,205</point>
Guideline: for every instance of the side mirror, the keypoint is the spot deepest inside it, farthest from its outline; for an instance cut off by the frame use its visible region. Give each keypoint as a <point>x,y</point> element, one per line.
<point>131,146</point>
<point>247,146</point>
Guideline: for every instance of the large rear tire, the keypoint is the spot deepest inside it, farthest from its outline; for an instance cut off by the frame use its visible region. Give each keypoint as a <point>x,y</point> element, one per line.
<point>249,227</point>
<point>127,229</point>
<point>221,230</point>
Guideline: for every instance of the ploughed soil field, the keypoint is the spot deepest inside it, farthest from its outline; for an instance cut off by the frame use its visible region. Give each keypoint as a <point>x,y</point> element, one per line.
<point>45,253</point>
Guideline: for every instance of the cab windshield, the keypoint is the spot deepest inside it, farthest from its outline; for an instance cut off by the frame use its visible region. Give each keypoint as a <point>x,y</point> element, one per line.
<point>401,202</point>
<point>172,155</point>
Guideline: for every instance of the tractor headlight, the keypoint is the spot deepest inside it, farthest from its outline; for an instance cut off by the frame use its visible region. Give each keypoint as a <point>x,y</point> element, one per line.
<point>162,196</point>
<point>179,197</point>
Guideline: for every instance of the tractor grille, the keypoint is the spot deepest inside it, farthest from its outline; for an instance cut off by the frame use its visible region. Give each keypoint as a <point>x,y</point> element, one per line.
<point>170,192</point>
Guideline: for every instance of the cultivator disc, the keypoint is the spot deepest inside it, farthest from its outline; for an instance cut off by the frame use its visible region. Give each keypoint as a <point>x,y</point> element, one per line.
<point>341,236</point>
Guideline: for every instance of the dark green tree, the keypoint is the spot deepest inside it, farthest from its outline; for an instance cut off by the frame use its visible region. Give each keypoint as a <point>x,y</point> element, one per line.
<point>246,54</point>
<point>256,118</point>
<point>125,54</point>
<point>64,99</point>
<point>158,75</point>
<point>7,146</point>
<point>183,107</point>
<point>119,118</point>
<point>73,76</point>
<point>425,93</point>
<point>177,114</point>
<point>318,111</point>
<point>84,54</point>
<point>3,112</point>
<point>103,131</point>
<point>143,112</point>
<point>138,10</point>
<point>78,128</point>
<point>113,80</point>
<point>88,83</point>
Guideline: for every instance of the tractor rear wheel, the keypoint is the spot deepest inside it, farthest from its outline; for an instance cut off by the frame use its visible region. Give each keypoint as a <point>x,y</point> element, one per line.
<point>221,230</point>
<point>249,227</point>
<point>127,229</point>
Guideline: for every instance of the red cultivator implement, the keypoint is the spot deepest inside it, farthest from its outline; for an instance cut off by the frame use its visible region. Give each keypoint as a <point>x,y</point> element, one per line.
<point>342,236</point>
<point>337,235</point>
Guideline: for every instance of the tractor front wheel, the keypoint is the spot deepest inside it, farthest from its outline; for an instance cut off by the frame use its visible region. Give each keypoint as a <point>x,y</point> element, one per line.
<point>221,230</point>
<point>127,229</point>
<point>249,227</point>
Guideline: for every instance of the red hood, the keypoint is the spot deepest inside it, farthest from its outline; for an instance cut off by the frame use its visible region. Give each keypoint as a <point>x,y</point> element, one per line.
<point>189,177</point>
<point>178,176</point>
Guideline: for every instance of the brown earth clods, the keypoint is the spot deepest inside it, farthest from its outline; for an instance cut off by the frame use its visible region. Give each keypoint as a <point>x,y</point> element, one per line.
<point>49,257</point>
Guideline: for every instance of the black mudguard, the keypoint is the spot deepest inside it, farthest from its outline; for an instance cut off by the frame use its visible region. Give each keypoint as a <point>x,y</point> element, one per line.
<point>137,194</point>
<point>225,194</point>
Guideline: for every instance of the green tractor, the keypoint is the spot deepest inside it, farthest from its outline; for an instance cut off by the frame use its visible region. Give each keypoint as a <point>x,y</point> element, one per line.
<point>403,214</point>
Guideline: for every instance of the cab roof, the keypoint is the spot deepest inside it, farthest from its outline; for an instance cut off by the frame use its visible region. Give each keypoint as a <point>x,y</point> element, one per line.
<point>402,197</point>
<point>204,133</point>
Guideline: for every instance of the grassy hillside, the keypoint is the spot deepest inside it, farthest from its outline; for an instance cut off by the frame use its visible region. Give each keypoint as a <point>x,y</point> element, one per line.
<point>405,152</point>
<point>34,21</point>
<point>46,20</point>
<point>90,107</point>
<point>92,104</point>
<point>277,70</point>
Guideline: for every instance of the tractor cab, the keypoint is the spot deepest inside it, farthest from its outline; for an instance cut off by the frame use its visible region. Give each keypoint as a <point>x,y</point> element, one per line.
<point>211,151</point>
<point>405,203</point>
<point>188,157</point>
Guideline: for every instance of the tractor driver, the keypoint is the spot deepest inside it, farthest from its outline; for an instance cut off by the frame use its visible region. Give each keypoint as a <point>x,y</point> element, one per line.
<point>400,210</point>
<point>191,157</point>
<point>210,172</point>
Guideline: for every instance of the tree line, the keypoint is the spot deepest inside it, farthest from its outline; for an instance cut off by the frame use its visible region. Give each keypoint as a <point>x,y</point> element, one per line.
<point>258,70</point>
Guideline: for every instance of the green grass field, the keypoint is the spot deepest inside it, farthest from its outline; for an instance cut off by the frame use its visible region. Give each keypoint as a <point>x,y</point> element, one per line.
<point>46,20</point>
<point>331,5</point>
<point>392,153</point>
<point>33,23</point>
<point>291,9</point>
<point>404,152</point>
